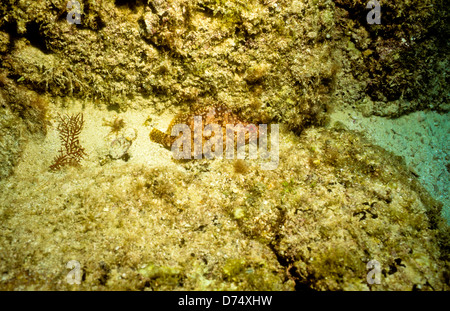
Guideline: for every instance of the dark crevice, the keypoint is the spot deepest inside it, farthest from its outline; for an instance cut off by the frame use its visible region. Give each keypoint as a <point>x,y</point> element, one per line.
<point>35,37</point>
<point>393,267</point>
<point>208,11</point>
<point>132,4</point>
<point>292,271</point>
<point>288,263</point>
<point>359,13</point>
<point>11,29</point>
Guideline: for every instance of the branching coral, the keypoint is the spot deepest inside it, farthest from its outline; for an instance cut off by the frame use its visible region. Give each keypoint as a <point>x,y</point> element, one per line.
<point>71,152</point>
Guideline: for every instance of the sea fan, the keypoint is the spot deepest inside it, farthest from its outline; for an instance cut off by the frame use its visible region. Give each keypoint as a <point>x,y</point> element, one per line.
<point>71,152</point>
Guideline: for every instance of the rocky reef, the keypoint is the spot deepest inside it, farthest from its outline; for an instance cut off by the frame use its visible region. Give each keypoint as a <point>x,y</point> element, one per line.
<point>334,203</point>
<point>134,219</point>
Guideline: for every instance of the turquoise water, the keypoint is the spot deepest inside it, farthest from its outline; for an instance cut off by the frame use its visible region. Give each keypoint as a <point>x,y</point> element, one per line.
<point>421,138</point>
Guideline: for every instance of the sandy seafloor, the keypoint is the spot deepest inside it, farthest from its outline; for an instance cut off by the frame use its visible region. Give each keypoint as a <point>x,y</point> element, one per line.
<point>421,138</point>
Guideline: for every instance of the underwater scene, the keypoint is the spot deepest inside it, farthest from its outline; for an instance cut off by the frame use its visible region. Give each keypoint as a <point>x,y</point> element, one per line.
<point>210,145</point>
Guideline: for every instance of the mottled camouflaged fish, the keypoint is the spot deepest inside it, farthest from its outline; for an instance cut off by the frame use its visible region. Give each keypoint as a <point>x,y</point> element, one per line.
<point>216,114</point>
